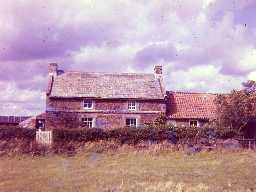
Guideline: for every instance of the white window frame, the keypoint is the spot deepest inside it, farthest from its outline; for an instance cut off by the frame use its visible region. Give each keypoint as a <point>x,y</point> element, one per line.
<point>132,105</point>
<point>86,102</point>
<point>173,123</point>
<point>197,123</point>
<point>131,124</point>
<point>91,124</point>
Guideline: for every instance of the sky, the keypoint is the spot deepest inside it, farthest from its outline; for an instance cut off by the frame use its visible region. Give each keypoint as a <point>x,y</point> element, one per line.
<point>203,45</point>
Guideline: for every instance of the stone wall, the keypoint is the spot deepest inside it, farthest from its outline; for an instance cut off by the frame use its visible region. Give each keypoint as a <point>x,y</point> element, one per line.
<point>102,120</point>
<point>116,105</point>
<point>107,114</point>
<point>185,122</point>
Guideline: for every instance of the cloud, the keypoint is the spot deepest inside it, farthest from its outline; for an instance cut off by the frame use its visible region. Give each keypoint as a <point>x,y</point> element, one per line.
<point>50,29</point>
<point>252,75</point>
<point>20,101</point>
<point>115,59</point>
<point>202,78</point>
<point>196,41</point>
<point>155,53</point>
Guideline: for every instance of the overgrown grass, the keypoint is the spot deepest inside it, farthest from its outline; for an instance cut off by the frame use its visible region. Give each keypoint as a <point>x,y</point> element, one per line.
<point>126,168</point>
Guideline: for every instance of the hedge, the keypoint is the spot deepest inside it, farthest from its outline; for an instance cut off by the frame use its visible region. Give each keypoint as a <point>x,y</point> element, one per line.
<point>8,133</point>
<point>123,135</point>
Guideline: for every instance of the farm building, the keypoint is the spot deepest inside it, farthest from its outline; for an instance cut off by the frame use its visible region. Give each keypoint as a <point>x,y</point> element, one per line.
<point>103,100</point>
<point>190,109</point>
<point>114,100</point>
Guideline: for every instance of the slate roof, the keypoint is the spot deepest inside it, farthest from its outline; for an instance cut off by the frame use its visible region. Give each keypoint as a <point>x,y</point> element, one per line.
<point>183,105</point>
<point>106,85</point>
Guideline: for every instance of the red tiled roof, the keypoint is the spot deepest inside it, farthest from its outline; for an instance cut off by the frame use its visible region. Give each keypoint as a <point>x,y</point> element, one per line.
<point>184,105</point>
<point>30,122</point>
<point>106,85</point>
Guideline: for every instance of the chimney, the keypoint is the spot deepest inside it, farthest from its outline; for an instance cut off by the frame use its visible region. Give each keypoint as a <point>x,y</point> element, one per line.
<point>53,69</point>
<point>158,71</point>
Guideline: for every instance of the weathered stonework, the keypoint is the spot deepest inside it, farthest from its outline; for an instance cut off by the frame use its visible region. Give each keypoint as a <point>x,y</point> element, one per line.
<point>185,122</point>
<point>104,105</point>
<point>108,114</point>
<point>110,93</point>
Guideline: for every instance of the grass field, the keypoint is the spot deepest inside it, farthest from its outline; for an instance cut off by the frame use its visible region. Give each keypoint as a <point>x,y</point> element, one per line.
<point>130,171</point>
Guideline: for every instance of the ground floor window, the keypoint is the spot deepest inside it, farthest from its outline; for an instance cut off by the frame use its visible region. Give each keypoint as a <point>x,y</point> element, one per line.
<point>40,124</point>
<point>172,123</point>
<point>87,122</point>
<point>131,122</point>
<point>193,123</point>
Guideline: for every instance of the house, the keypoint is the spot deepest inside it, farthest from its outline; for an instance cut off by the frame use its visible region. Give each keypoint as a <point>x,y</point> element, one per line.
<point>103,100</point>
<point>190,109</point>
<point>114,100</point>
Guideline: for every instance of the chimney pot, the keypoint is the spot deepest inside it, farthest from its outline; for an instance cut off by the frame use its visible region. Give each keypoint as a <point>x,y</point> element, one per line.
<point>158,70</point>
<point>53,69</point>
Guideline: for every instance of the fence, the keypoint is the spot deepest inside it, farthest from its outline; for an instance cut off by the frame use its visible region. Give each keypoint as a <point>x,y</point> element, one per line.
<point>44,137</point>
<point>248,143</point>
<point>12,119</point>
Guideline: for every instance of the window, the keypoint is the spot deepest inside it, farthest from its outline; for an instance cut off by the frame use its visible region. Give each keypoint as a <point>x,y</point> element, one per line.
<point>193,123</point>
<point>131,122</point>
<point>87,122</point>
<point>40,124</point>
<point>88,104</point>
<point>132,105</point>
<point>173,123</point>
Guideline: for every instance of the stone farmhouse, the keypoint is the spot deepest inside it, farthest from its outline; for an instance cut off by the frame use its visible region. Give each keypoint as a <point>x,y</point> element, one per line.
<point>114,100</point>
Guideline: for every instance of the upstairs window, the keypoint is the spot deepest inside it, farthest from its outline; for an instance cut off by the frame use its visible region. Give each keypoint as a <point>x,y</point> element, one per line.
<point>193,123</point>
<point>131,122</point>
<point>87,122</point>
<point>132,105</point>
<point>88,104</point>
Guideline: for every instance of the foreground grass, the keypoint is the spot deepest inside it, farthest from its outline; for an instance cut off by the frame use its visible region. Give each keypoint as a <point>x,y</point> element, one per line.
<point>130,171</point>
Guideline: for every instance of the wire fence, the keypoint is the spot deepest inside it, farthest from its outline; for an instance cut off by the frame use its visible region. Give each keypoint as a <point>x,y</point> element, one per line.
<point>12,119</point>
<point>248,143</point>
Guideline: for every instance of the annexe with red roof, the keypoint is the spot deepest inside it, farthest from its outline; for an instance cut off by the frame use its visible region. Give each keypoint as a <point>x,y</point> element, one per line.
<point>190,109</point>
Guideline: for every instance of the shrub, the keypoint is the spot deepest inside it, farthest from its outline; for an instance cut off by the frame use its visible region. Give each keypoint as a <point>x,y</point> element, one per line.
<point>93,134</point>
<point>16,132</point>
<point>125,135</point>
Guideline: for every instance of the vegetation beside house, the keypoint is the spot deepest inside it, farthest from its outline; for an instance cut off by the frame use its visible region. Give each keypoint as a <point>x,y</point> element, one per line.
<point>236,112</point>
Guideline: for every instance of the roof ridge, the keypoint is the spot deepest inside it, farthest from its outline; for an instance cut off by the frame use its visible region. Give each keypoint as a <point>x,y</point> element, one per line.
<point>187,92</point>
<point>108,73</point>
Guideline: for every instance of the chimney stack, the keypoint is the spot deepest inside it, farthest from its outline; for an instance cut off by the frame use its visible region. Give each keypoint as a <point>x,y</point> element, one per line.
<point>158,71</point>
<point>53,69</point>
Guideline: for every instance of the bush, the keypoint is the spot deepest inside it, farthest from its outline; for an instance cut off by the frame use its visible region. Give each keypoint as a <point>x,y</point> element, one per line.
<point>16,132</point>
<point>78,134</point>
<point>122,135</point>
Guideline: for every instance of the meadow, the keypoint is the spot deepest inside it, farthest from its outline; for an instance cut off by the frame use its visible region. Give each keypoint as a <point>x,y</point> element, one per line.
<point>129,169</point>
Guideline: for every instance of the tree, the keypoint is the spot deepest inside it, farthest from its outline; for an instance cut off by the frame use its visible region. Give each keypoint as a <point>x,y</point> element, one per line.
<point>249,86</point>
<point>236,109</point>
<point>159,122</point>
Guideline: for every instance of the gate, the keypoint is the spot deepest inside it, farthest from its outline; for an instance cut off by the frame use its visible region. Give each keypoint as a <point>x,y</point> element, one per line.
<point>44,137</point>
